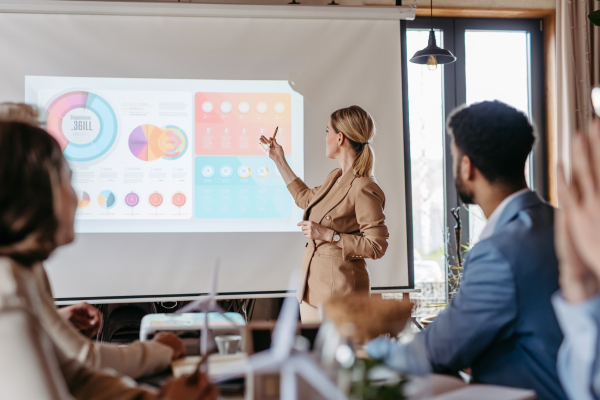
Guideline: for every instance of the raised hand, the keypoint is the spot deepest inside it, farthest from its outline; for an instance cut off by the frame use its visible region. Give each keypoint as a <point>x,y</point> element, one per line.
<point>275,150</point>
<point>580,200</point>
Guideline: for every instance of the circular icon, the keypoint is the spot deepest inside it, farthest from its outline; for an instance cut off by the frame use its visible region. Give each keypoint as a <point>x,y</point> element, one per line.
<point>155,199</point>
<point>262,107</point>
<point>279,108</point>
<point>244,107</point>
<point>244,171</point>
<point>83,199</point>
<point>263,172</point>
<point>208,171</point>
<point>207,106</point>
<point>226,171</point>
<point>132,199</point>
<point>107,199</point>
<point>226,107</point>
<point>179,199</point>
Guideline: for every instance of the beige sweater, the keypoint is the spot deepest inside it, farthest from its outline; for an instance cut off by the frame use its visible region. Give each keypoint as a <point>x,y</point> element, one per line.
<point>32,365</point>
<point>137,359</point>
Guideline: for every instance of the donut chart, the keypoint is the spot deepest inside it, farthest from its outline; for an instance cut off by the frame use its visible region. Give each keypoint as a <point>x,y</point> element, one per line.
<point>132,199</point>
<point>179,199</point>
<point>155,199</point>
<point>83,123</point>
<point>150,142</point>
<point>107,199</point>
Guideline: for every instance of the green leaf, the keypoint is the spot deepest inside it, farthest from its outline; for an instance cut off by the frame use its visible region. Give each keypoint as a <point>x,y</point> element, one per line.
<point>595,17</point>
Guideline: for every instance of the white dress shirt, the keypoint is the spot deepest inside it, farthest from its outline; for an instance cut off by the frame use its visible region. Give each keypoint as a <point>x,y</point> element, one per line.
<point>493,219</point>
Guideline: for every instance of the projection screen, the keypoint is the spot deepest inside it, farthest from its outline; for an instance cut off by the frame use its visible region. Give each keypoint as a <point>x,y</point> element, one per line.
<point>158,109</point>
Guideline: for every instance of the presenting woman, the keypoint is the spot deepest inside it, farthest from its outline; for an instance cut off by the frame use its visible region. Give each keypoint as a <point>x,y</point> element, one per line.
<point>343,218</point>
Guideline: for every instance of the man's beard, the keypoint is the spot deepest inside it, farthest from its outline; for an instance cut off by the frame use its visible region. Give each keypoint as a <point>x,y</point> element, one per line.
<point>465,196</point>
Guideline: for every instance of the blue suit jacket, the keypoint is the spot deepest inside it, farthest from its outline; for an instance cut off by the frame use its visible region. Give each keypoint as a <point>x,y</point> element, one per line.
<point>501,323</point>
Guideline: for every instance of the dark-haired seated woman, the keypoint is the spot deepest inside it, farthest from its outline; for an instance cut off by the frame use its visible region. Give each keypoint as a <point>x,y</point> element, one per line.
<point>37,211</point>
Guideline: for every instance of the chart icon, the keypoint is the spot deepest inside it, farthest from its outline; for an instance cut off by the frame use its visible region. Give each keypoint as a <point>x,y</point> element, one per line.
<point>107,199</point>
<point>155,199</point>
<point>150,142</point>
<point>244,171</point>
<point>83,123</point>
<point>179,199</point>
<point>132,199</point>
<point>263,172</point>
<point>83,199</point>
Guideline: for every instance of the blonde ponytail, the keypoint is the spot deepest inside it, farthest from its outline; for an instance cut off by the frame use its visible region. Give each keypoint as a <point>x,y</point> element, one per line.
<point>358,127</point>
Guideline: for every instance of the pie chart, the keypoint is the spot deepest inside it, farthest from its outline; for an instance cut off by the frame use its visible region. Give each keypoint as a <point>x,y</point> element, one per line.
<point>84,199</point>
<point>150,142</point>
<point>107,199</point>
<point>83,123</point>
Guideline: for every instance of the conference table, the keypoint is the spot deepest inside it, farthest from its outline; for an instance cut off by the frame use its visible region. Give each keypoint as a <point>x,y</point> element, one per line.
<point>440,387</point>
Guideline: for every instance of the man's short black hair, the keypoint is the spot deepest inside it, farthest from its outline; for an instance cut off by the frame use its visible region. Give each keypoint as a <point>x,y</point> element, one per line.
<point>496,137</point>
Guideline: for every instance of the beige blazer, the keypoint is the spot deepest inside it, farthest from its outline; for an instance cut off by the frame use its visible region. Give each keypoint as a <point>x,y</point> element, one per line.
<point>135,360</point>
<point>32,366</point>
<point>353,207</point>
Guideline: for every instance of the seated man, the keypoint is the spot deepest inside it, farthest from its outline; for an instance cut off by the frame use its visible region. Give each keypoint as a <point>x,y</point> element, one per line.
<point>500,323</point>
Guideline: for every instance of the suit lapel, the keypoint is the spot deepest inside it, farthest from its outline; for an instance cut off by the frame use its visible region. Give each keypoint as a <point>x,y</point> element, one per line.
<point>322,192</point>
<point>336,196</point>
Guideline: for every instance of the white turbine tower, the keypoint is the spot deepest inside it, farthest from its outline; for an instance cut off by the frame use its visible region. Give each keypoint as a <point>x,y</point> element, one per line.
<point>289,362</point>
<point>206,306</point>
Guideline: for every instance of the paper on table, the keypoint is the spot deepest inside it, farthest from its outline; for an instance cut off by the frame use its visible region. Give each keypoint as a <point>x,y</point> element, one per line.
<point>218,365</point>
<point>487,392</point>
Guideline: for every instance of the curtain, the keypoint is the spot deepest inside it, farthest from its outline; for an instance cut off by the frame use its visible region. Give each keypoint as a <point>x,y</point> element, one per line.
<point>577,69</point>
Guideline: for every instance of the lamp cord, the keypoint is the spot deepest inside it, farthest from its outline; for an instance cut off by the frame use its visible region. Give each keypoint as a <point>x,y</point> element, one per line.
<point>431,14</point>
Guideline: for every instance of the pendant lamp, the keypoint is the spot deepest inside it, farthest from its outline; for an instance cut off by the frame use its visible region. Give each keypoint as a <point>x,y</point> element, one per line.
<point>432,55</point>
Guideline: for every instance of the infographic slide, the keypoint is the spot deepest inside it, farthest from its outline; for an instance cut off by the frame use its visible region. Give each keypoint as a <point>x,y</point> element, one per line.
<point>159,155</point>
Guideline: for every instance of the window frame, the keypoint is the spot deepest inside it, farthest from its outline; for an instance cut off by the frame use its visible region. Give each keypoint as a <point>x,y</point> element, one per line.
<point>454,86</point>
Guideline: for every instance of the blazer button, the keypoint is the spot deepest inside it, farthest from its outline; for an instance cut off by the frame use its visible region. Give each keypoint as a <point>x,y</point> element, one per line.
<point>327,217</point>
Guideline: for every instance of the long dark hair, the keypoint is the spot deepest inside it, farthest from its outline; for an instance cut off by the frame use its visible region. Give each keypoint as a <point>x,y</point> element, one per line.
<point>30,165</point>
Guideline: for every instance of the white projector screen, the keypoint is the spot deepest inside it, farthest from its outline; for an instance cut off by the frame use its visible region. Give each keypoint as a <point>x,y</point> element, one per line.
<point>158,117</point>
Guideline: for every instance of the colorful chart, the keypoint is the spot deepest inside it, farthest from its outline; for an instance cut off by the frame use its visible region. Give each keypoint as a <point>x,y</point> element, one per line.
<point>83,123</point>
<point>263,172</point>
<point>149,142</point>
<point>84,199</point>
<point>132,199</point>
<point>156,199</point>
<point>244,171</point>
<point>107,199</point>
<point>179,199</point>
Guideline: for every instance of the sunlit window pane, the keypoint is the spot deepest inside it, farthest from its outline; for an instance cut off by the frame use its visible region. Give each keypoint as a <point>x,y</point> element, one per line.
<point>426,117</point>
<point>497,68</point>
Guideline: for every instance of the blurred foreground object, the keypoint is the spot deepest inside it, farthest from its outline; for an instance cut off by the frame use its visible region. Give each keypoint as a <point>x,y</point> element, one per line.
<point>370,317</point>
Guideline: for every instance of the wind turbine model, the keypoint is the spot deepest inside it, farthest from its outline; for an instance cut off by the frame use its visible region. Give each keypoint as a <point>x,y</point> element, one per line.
<point>206,306</point>
<point>289,362</point>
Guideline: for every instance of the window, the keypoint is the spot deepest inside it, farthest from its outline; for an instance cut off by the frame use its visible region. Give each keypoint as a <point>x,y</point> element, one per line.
<point>496,59</point>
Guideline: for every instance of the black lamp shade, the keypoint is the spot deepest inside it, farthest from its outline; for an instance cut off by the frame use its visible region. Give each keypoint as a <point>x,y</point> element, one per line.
<point>442,56</point>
